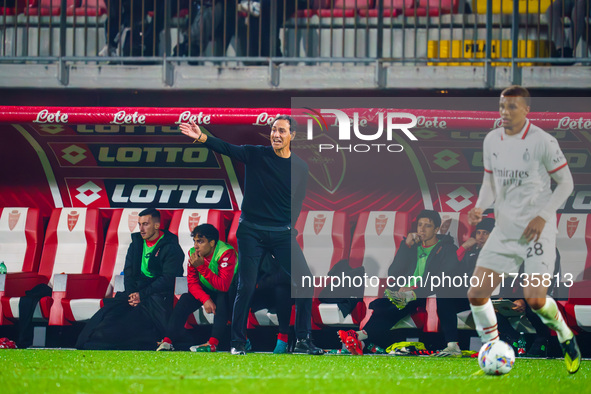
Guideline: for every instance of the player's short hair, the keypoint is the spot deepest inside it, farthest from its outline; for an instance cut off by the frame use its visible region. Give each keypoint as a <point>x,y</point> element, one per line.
<point>293,125</point>
<point>431,215</point>
<point>206,231</point>
<point>152,212</point>
<point>517,91</point>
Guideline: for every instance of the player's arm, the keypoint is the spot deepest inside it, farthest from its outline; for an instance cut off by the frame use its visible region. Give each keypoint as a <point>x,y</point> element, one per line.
<point>485,198</point>
<point>555,163</point>
<point>194,285</point>
<point>564,187</point>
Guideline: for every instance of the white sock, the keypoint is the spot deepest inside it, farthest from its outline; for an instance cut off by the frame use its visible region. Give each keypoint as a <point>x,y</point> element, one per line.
<point>552,317</point>
<point>362,335</point>
<point>486,321</point>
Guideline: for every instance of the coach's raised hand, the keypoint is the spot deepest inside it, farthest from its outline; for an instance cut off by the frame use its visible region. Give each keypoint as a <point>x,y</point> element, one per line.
<point>192,130</point>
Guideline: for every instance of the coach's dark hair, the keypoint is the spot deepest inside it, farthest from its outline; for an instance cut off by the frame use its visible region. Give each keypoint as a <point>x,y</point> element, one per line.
<point>432,215</point>
<point>207,231</point>
<point>152,212</point>
<point>293,125</point>
<point>517,91</point>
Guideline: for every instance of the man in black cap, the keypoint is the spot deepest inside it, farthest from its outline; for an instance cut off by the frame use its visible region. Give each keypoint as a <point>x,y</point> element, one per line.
<point>469,251</point>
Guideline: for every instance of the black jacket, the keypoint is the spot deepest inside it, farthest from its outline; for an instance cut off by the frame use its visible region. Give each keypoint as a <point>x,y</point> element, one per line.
<point>442,259</point>
<point>166,263</point>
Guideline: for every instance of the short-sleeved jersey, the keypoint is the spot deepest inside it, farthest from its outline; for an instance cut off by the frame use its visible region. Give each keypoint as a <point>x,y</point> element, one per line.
<point>521,165</point>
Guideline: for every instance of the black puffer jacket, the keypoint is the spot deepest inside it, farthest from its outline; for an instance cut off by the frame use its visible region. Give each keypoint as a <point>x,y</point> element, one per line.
<point>443,259</point>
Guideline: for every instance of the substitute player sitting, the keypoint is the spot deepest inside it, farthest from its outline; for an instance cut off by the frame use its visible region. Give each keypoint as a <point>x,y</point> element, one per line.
<point>519,159</point>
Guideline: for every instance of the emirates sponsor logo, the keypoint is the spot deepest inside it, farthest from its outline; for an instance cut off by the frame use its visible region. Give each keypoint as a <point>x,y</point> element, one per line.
<point>44,116</point>
<point>13,218</point>
<point>319,221</point>
<point>122,117</point>
<point>132,221</point>
<point>445,224</point>
<point>497,123</point>
<point>571,226</point>
<point>193,220</point>
<point>73,219</point>
<point>568,123</point>
<point>199,118</point>
<point>381,224</point>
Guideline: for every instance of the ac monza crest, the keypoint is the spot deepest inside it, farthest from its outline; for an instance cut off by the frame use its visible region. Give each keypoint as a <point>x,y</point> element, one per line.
<point>571,226</point>
<point>445,223</point>
<point>381,224</point>
<point>13,218</point>
<point>132,221</point>
<point>73,219</point>
<point>194,219</point>
<point>319,221</point>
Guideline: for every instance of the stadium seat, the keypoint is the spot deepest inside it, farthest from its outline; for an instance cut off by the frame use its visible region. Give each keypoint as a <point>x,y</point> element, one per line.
<point>87,8</point>
<point>232,240</point>
<point>182,223</point>
<point>48,7</point>
<point>375,242</point>
<point>21,237</point>
<point>325,239</point>
<point>185,220</point>
<point>456,225</point>
<point>574,244</point>
<point>83,301</point>
<point>73,245</point>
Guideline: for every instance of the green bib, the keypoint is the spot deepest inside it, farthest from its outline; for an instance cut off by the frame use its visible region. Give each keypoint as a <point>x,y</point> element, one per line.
<point>422,256</point>
<point>220,249</point>
<point>146,258</point>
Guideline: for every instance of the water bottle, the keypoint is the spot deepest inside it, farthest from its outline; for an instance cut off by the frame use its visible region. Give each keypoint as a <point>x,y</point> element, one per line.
<point>3,268</point>
<point>521,345</point>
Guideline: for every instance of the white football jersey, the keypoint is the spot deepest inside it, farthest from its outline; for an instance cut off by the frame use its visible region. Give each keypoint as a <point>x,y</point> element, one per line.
<point>521,165</point>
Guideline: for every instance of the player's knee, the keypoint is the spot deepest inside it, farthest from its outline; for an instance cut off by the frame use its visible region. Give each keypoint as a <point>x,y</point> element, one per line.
<point>536,303</point>
<point>476,297</point>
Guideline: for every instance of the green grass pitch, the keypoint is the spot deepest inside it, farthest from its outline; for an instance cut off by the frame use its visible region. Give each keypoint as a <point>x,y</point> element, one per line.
<point>65,371</point>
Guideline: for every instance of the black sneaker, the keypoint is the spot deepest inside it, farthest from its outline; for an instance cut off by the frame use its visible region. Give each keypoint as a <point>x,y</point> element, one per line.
<point>307,346</point>
<point>238,350</point>
<point>572,355</point>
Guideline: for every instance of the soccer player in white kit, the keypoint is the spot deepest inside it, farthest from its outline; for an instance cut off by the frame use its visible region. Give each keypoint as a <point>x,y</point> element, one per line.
<point>519,159</point>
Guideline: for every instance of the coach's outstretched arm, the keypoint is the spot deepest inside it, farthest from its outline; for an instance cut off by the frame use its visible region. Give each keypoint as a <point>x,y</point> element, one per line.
<point>241,153</point>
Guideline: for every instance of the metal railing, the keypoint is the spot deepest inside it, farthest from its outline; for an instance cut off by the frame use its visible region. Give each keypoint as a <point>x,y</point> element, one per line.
<point>413,32</point>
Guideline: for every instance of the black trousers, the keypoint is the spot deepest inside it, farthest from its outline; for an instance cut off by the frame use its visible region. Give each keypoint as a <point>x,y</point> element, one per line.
<point>26,309</point>
<point>253,244</point>
<point>120,326</point>
<point>385,315</point>
<point>188,304</point>
<point>447,311</point>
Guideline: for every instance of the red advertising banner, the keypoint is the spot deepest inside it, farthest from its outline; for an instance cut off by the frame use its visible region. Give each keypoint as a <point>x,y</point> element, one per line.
<point>137,157</point>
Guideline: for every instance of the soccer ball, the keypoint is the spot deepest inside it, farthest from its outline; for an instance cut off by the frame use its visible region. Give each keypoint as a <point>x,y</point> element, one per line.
<point>496,358</point>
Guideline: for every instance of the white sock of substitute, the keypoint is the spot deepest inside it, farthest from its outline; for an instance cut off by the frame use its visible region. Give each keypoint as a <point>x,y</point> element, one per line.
<point>486,321</point>
<point>552,317</point>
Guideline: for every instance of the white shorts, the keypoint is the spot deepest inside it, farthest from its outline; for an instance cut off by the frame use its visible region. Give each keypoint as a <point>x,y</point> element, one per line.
<point>504,255</point>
